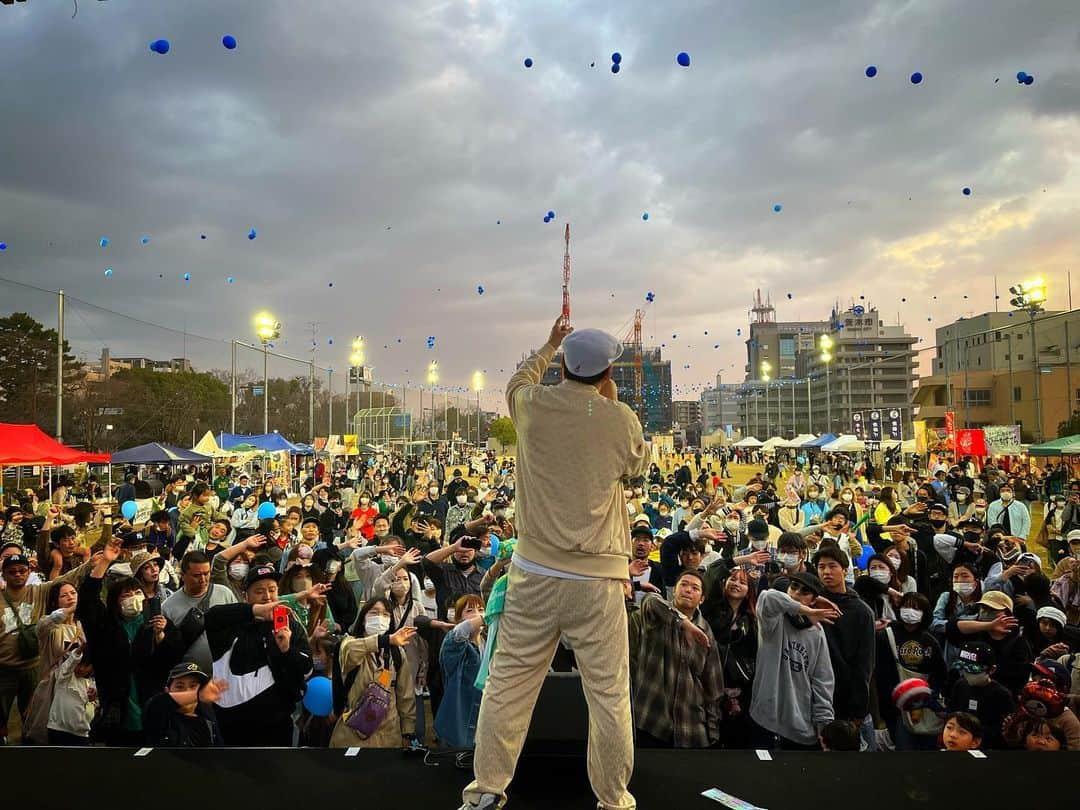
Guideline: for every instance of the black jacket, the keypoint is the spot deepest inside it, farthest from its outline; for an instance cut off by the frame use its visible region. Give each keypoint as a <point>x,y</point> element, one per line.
<point>1012,654</point>
<point>234,627</point>
<point>165,727</point>
<point>918,651</point>
<point>851,650</point>
<point>117,660</point>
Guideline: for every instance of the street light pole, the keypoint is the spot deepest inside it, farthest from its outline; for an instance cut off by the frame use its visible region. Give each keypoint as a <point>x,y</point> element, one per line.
<point>232,391</point>
<point>826,344</point>
<point>60,369</point>
<point>267,329</point>
<point>266,388</point>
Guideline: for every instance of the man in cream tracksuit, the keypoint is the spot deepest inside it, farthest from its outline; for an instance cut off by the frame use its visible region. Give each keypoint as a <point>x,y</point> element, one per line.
<point>576,442</point>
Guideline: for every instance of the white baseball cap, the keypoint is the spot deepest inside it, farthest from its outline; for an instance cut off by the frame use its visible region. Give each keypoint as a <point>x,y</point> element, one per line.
<point>587,352</point>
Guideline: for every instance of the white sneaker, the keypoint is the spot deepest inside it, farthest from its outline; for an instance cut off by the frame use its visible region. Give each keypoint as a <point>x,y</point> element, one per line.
<point>489,801</point>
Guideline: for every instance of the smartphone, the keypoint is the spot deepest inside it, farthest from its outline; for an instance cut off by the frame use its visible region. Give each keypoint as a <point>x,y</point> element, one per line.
<point>281,618</point>
<point>151,608</point>
<point>471,542</point>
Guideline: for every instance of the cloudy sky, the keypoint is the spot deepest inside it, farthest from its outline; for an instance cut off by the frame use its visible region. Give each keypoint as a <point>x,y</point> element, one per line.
<point>375,147</point>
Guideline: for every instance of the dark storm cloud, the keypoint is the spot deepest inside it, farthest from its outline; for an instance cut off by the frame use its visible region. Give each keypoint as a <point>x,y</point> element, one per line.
<point>334,120</point>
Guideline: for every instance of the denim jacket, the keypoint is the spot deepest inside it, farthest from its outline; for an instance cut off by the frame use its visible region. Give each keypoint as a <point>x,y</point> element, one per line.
<point>459,660</point>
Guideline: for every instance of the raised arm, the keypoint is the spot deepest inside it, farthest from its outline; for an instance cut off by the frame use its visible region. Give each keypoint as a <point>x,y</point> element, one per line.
<point>532,370</point>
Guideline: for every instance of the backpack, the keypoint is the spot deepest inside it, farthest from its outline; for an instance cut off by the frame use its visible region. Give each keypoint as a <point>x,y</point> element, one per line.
<point>922,721</point>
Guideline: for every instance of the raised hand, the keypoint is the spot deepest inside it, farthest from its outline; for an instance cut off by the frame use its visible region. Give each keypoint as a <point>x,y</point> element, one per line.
<point>638,567</point>
<point>1004,624</point>
<point>402,636</point>
<point>559,330</point>
<point>212,690</point>
<point>411,557</point>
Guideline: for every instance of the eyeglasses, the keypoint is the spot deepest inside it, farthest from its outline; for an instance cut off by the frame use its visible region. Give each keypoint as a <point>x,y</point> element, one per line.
<point>800,590</point>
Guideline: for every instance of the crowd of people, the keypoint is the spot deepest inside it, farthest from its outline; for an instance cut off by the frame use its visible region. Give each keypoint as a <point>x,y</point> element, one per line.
<point>809,608</point>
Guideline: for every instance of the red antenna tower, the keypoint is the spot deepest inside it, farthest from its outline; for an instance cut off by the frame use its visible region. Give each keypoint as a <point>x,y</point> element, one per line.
<point>566,277</point>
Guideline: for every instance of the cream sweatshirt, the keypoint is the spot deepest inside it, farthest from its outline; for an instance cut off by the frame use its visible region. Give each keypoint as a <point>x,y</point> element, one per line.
<point>573,448</point>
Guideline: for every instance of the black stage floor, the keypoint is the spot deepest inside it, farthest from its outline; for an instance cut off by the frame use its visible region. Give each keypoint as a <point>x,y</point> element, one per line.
<point>306,779</point>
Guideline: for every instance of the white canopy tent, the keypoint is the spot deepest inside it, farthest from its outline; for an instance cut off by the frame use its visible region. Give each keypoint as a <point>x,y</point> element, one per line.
<point>844,443</point>
<point>749,441</point>
<point>799,441</point>
<point>772,444</point>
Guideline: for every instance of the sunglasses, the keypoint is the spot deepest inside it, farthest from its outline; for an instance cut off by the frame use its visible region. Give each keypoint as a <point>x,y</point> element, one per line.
<point>800,589</point>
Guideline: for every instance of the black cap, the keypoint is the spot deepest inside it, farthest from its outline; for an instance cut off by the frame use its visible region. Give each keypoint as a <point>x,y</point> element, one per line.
<point>757,528</point>
<point>15,559</point>
<point>937,506</point>
<point>971,521</point>
<point>132,539</point>
<point>808,580</point>
<point>641,531</point>
<point>308,520</point>
<point>262,572</point>
<point>187,668</point>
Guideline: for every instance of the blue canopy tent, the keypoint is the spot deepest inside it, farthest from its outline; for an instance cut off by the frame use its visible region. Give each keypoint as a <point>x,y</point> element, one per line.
<point>157,453</point>
<point>267,442</point>
<point>820,441</point>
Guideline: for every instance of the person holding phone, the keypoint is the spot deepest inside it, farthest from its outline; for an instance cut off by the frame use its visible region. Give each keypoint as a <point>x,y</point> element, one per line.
<point>576,445</point>
<point>264,660</point>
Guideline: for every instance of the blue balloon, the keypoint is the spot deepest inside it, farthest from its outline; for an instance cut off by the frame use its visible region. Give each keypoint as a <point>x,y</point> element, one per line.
<point>3,245</point>
<point>551,214</point>
<point>645,216</point>
<point>1020,76</point>
<point>160,46</point>
<point>871,71</point>
<point>1029,79</point>
<point>229,42</point>
<point>528,62</point>
<point>108,272</point>
<point>145,240</point>
<point>616,57</point>
<point>778,208</point>
<point>967,191</point>
<point>319,697</point>
<point>916,77</point>
<point>615,68</point>
<point>266,511</point>
<point>202,235</point>
<point>252,233</point>
<point>683,59</point>
<point>187,276</point>
<point>229,280</point>
<point>104,241</point>
<point>129,509</point>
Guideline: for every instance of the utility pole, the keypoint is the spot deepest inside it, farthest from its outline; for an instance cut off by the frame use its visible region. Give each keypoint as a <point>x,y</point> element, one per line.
<point>60,367</point>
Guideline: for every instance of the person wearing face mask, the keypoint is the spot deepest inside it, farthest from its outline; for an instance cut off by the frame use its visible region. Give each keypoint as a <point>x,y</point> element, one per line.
<point>880,589</point>
<point>453,569</point>
<point>961,507</point>
<point>906,649</point>
<point>334,520</point>
<point>460,511</point>
<point>847,503</point>
<point>328,568</point>
<point>433,504</point>
<point>999,628</point>
<point>815,508</point>
<point>729,609</point>
<point>375,659</point>
<point>304,598</point>
<point>363,516</point>
<point>789,515</point>
<point>961,602</point>
<point>403,592</point>
<point>229,567</point>
<point>1011,514</point>
<point>131,655</point>
<point>1065,579</point>
<point>793,675</point>
<point>978,692</point>
<point>682,512</point>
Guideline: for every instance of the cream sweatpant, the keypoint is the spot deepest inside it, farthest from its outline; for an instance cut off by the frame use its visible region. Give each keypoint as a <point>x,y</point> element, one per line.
<point>592,616</point>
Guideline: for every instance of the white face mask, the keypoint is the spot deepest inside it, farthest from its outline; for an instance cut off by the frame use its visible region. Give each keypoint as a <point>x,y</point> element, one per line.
<point>399,587</point>
<point>333,567</point>
<point>451,615</point>
<point>1006,497</point>
<point>759,545</point>
<point>433,493</point>
<point>813,495</point>
<point>732,526</point>
<point>910,615</point>
<point>895,561</point>
<point>789,561</point>
<point>961,497</point>
<point>376,625</point>
<point>884,577</point>
<point>964,588</point>
<point>131,606</point>
<point>238,570</point>
<point>846,497</point>
<point>462,499</point>
<point>428,584</point>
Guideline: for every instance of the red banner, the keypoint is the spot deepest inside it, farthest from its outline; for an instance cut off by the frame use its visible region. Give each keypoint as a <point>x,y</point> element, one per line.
<point>970,443</point>
<point>950,429</point>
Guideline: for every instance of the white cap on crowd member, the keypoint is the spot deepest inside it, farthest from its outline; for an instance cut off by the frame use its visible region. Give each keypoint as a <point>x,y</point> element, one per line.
<point>587,352</point>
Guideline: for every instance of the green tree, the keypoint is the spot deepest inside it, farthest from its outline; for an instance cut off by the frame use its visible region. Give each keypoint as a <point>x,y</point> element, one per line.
<point>503,431</point>
<point>28,372</point>
<point>1071,427</point>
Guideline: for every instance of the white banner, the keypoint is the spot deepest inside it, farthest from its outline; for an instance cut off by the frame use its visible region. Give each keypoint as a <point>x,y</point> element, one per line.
<point>1002,440</point>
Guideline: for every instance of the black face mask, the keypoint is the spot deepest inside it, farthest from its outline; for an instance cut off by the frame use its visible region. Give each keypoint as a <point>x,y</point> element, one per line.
<point>937,524</point>
<point>972,537</point>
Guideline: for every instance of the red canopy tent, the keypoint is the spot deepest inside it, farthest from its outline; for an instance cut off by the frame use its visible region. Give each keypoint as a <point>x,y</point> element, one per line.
<point>27,444</point>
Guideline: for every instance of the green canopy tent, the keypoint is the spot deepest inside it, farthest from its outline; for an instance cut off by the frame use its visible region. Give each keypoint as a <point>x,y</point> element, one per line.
<point>1065,446</point>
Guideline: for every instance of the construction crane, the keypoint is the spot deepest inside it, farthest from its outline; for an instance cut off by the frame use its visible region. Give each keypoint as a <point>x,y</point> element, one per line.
<point>634,339</point>
<point>566,276</point>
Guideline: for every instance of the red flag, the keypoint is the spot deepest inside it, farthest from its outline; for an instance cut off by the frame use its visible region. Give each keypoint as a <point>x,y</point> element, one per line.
<point>950,430</point>
<point>970,443</point>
